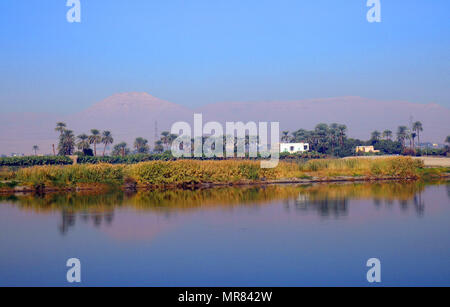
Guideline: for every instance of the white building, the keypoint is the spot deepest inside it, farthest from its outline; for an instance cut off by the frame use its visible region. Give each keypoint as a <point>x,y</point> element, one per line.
<point>293,147</point>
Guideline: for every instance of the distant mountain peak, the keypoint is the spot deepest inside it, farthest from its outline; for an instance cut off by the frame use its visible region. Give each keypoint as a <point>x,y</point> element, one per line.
<point>130,101</point>
<point>132,95</point>
<point>138,114</point>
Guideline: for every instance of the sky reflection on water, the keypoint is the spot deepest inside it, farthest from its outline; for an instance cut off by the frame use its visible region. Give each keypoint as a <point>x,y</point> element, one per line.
<point>250,236</point>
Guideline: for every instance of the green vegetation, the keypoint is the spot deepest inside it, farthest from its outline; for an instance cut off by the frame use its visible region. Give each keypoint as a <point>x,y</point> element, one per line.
<point>431,173</point>
<point>141,146</point>
<point>8,185</point>
<point>302,156</point>
<point>192,172</point>
<point>70,176</point>
<point>388,167</point>
<point>107,139</point>
<point>32,161</point>
<point>126,159</point>
<point>121,149</point>
<point>325,141</point>
<point>66,144</point>
<point>332,140</point>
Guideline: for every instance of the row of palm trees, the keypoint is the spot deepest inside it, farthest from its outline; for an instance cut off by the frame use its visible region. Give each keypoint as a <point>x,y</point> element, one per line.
<point>323,136</point>
<point>83,142</point>
<point>165,141</point>
<point>141,145</point>
<point>403,134</point>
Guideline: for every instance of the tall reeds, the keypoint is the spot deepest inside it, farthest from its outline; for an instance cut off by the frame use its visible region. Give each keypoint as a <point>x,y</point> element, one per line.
<point>184,172</point>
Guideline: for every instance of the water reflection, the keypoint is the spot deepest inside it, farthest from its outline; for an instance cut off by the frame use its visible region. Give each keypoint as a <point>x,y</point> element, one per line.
<point>325,200</point>
<point>325,207</point>
<point>97,218</point>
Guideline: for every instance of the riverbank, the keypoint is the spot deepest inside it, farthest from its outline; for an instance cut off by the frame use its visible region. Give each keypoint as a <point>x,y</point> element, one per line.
<point>190,174</point>
<point>428,161</point>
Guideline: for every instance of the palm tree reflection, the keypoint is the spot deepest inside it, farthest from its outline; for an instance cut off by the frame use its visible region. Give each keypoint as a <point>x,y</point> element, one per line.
<point>324,207</point>
<point>68,219</point>
<point>325,200</point>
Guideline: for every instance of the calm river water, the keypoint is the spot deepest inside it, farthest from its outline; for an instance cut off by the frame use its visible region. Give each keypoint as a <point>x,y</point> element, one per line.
<point>317,235</point>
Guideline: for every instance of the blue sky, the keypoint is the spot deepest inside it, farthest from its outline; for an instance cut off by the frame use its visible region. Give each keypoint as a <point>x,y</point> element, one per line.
<point>195,52</point>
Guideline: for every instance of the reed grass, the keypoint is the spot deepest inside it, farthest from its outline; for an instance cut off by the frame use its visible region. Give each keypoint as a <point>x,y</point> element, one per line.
<point>404,167</point>
<point>183,172</point>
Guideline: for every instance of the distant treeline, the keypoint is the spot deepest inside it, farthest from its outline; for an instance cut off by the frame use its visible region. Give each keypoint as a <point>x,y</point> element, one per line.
<point>324,140</point>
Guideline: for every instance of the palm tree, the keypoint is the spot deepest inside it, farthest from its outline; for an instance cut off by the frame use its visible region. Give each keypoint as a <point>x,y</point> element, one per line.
<point>106,140</point>
<point>300,135</point>
<point>387,134</point>
<point>141,145</point>
<point>413,136</point>
<point>285,138</point>
<point>83,142</point>
<point>402,134</point>
<point>320,133</point>
<point>417,127</point>
<point>121,149</point>
<point>447,140</point>
<point>159,146</point>
<point>342,132</point>
<point>66,143</point>
<point>35,149</point>
<point>60,127</point>
<point>95,139</point>
<point>333,135</point>
<point>376,135</point>
<point>172,137</point>
<point>165,139</point>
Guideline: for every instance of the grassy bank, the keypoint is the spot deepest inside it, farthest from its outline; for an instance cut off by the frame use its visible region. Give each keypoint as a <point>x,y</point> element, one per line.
<point>188,172</point>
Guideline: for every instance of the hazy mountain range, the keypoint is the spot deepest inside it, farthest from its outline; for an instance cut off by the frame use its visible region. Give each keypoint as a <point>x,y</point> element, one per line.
<point>129,115</point>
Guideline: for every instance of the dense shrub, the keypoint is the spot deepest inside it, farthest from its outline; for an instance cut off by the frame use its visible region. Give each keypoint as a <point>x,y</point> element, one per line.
<point>185,172</point>
<point>388,147</point>
<point>395,167</point>
<point>304,155</point>
<point>82,159</point>
<point>408,152</point>
<point>192,172</point>
<point>433,152</point>
<point>71,175</point>
<point>131,159</point>
<point>34,160</point>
